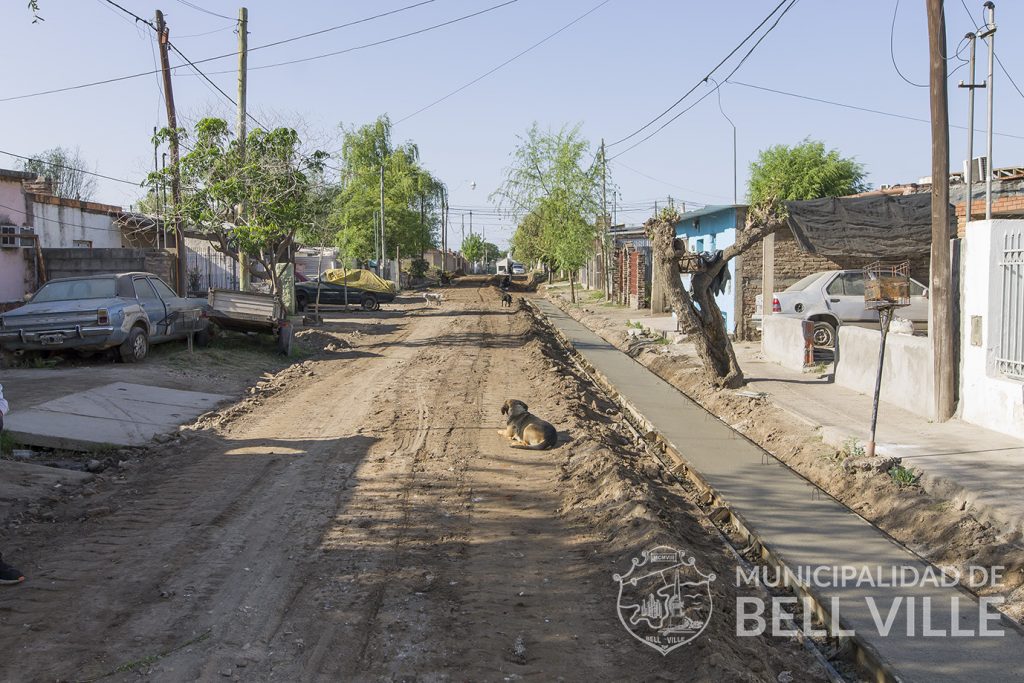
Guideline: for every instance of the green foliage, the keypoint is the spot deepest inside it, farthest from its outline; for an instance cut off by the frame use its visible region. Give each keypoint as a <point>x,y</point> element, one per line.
<point>412,196</point>
<point>418,268</point>
<point>273,181</point>
<point>63,168</point>
<point>853,448</point>
<point>473,248</point>
<point>804,171</point>
<point>33,7</point>
<point>904,476</point>
<point>554,191</point>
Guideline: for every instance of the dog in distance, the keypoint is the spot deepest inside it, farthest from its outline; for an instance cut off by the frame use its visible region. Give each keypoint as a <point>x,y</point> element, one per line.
<point>433,298</point>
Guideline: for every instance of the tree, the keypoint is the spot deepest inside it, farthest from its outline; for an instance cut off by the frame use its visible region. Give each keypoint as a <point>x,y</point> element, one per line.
<point>473,248</point>
<point>67,170</point>
<point>411,194</point>
<point>555,194</point>
<point>274,182</point>
<point>804,171</point>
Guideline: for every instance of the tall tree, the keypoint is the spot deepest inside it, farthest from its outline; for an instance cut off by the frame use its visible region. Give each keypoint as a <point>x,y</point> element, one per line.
<point>67,170</point>
<point>411,194</point>
<point>554,191</point>
<point>803,171</point>
<point>806,171</point>
<point>275,182</point>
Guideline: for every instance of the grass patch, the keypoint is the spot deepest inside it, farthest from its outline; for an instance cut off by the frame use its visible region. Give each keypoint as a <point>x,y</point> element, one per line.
<point>662,341</point>
<point>635,324</point>
<point>6,443</point>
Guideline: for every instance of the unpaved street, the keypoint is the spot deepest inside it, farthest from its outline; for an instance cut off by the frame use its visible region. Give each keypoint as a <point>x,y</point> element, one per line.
<point>364,521</point>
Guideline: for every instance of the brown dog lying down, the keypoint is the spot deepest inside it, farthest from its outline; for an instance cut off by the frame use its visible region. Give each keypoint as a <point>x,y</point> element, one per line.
<point>526,430</point>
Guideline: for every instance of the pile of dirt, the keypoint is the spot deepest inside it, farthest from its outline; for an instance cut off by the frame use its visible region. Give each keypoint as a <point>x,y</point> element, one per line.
<point>614,488</point>
<point>942,531</point>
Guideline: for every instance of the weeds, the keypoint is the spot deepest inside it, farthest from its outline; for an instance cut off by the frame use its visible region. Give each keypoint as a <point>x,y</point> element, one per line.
<point>634,324</point>
<point>853,448</point>
<point>904,476</point>
<point>6,443</point>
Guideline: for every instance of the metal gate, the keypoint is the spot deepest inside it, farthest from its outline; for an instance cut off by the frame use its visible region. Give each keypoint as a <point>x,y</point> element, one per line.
<point>1010,352</point>
<point>210,269</point>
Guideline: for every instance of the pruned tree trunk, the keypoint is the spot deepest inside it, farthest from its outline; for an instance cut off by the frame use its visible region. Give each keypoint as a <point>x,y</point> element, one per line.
<point>572,287</point>
<point>699,314</point>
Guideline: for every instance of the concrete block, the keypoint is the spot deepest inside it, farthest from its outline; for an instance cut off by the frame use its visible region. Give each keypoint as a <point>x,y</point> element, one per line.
<point>119,414</point>
<point>782,341</point>
<point>907,375</point>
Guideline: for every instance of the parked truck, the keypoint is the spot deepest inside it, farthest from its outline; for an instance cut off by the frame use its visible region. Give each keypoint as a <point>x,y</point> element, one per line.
<point>249,312</point>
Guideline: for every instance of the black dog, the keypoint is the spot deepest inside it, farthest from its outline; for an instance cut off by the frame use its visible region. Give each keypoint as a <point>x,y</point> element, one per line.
<point>506,299</point>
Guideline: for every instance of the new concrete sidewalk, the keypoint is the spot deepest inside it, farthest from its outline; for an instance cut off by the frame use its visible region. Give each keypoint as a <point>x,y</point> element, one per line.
<point>808,529</point>
<point>956,460</point>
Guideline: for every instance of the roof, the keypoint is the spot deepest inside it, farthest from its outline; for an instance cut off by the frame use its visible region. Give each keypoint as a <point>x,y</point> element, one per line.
<point>16,175</point>
<point>709,210</point>
<point>92,207</point>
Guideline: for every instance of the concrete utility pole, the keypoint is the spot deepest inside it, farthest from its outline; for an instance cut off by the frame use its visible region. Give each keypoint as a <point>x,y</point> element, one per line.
<point>989,34</point>
<point>972,40</point>
<point>240,127</point>
<point>162,37</point>
<point>940,327</point>
<point>604,221</point>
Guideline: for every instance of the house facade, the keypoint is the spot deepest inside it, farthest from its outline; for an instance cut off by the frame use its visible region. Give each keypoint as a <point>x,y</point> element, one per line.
<point>13,266</point>
<point>713,229</point>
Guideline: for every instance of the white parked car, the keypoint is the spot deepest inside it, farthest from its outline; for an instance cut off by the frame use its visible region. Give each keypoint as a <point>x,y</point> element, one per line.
<point>836,297</point>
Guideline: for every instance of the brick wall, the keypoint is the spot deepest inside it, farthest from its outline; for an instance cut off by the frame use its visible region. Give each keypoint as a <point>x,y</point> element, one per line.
<point>792,264</point>
<point>1005,206</point>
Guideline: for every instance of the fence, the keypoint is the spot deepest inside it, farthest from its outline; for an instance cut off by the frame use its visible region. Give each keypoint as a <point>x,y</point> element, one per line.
<point>210,269</point>
<point>1010,352</point>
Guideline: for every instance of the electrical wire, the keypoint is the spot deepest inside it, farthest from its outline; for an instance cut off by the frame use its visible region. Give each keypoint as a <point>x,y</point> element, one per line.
<point>892,49</point>
<point>72,168</point>
<point>703,80</point>
<point>203,10</point>
<point>715,89</point>
<point>998,61</point>
<point>118,79</point>
<point>856,107</point>
<point>505,63</point>
<point>665,182</point>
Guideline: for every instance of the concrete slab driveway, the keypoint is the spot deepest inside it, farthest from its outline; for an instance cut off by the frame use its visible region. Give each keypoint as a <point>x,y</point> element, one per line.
<point>118,414</point>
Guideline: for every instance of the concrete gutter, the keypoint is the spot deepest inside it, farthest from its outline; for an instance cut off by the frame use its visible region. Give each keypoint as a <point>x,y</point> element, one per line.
<point>797,526</point>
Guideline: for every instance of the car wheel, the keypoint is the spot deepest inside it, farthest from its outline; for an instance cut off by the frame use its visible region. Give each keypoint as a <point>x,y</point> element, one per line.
<point>370,303</point>
<point>824,336</point>
<point>135,348</point>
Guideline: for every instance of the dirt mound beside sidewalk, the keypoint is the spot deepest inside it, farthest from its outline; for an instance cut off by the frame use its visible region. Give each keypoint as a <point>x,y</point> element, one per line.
<point>942,531</point>
<point>615,489</point>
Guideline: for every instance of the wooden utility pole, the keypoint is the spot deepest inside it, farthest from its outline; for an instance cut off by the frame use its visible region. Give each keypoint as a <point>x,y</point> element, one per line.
<point>940,327</point>
<point>240,125</point>
<point>162,38</point>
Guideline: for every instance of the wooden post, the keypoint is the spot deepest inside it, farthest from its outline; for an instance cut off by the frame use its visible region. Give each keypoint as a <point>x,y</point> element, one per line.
<point>940,327</point>
<point>162,37</point>
<point>767,276</point>
<point>240,125</point>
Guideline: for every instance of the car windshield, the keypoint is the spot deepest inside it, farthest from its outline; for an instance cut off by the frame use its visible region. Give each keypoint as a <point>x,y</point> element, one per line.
<point>803,284</point>
<point>74,290</point>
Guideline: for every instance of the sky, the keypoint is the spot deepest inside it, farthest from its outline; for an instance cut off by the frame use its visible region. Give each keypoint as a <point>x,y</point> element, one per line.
<point>610,73</point>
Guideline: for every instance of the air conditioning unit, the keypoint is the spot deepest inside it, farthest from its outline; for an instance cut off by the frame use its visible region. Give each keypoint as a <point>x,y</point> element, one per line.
<point>978,167</point>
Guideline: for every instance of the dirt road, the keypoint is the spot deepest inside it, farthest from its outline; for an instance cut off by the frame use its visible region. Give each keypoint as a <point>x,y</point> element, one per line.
<point>365,521</point>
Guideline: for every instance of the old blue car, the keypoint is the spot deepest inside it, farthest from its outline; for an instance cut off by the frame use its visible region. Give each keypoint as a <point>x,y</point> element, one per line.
<point>123,311</point>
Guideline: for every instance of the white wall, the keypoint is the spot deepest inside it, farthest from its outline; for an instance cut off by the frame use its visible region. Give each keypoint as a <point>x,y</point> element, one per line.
<point>986,398</point>
<point>906,372</point>
<point>782,341</point>
<point>60,226</point>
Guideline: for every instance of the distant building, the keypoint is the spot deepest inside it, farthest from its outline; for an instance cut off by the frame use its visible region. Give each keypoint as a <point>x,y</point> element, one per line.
<point>710,230</point>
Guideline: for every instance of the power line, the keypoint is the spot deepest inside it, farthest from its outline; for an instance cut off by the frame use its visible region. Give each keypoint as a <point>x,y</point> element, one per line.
<point>892,49</point>
<point>726,80</point>
<point>118,79</point>
<point>998,61</point>
<point>703,80</point>
<point>856,107</point>
<point>375,43</point>
<point>505,63</point>
<point>72,168</point>
<point>203,10</point>
<point>665,182</point>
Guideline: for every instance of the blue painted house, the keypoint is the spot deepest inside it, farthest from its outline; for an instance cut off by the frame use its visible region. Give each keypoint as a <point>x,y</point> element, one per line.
<point>712,229</point>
